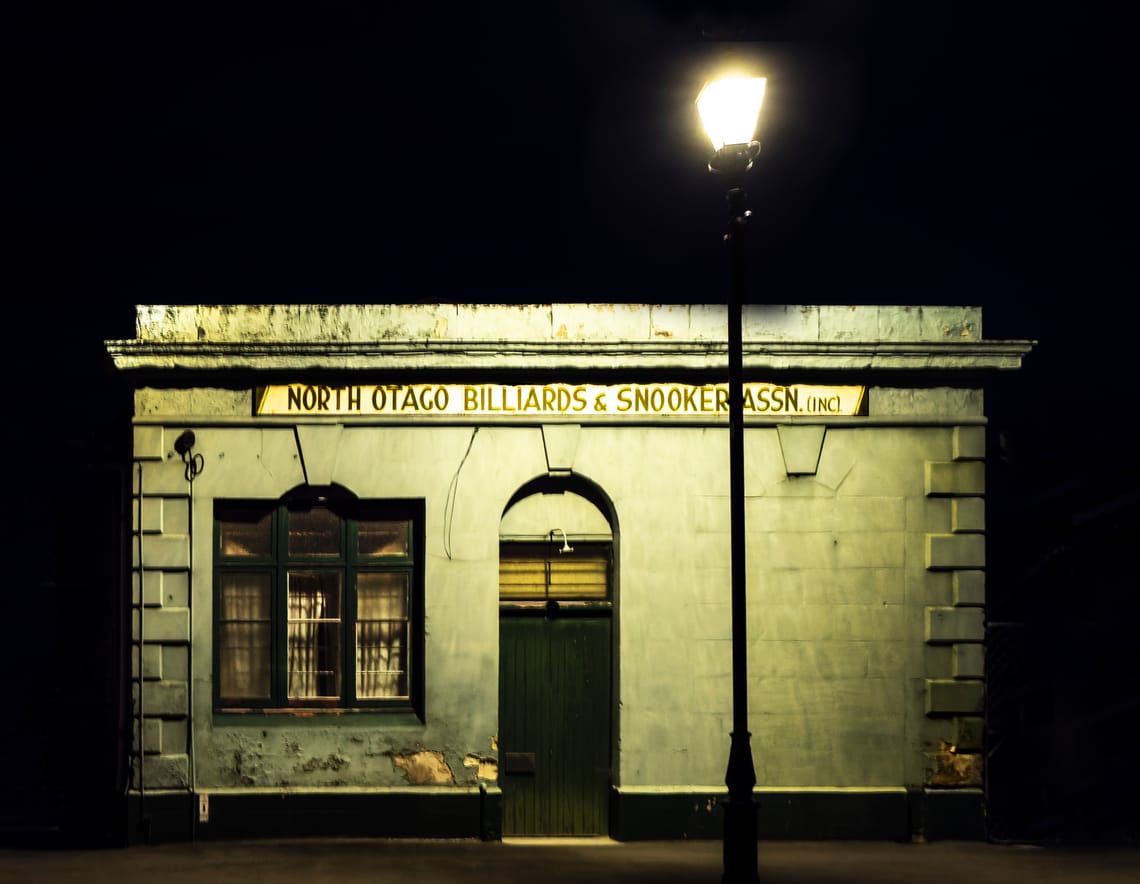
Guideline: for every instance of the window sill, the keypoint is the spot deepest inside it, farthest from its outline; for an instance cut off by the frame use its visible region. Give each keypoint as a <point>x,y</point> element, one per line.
<point>395,715</point>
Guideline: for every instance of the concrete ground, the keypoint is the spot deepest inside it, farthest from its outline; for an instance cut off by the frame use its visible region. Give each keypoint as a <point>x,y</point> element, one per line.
<point>543,861</point>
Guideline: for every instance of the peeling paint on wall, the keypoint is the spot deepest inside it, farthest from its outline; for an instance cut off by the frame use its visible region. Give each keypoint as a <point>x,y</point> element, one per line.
<point>425,768</point>
<point>486,768</point>
<point>334,761</point>
<point>246,764</point>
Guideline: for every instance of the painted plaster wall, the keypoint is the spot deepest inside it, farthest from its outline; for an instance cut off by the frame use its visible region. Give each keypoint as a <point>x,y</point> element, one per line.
<point>837,591</point>
<point>839,585</point>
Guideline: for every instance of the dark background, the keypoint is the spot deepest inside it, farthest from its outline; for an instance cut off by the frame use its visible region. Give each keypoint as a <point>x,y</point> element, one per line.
<point>337,152</point>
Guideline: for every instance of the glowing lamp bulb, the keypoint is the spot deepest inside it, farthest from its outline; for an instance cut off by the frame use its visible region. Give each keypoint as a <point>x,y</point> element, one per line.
<point>730,109</point>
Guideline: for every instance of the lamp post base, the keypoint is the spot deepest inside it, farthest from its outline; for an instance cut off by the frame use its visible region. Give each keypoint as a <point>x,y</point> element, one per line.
<point>740,838</point>
<point>740,861</point>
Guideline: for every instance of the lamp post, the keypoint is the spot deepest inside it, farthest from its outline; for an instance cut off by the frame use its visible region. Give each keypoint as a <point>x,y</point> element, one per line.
<point>730,110</point>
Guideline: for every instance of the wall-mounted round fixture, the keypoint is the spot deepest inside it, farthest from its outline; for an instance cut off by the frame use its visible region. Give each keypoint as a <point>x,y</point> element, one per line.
<point>184,446</point>
<point>184,443</point>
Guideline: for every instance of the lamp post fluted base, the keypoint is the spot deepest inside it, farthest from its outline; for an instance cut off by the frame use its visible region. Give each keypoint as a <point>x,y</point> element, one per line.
<point>740,838</point>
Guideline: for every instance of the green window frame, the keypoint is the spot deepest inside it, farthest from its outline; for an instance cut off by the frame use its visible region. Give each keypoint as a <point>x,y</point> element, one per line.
<point>318,603</point>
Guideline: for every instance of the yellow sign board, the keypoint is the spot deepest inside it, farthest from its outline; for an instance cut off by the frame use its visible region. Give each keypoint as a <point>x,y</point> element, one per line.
<point>553,400</point>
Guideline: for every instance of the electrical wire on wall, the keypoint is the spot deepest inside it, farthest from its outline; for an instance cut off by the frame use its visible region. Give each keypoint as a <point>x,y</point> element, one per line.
<point>452,490</point>
<point>195,463</point>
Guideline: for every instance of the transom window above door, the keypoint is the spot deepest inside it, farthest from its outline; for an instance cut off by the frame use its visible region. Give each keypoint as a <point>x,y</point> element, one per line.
<point>531,572</point>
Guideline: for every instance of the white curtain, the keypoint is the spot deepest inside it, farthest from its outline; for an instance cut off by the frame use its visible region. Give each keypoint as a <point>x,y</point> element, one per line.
<point>314,635</point>
<point>381,635</point>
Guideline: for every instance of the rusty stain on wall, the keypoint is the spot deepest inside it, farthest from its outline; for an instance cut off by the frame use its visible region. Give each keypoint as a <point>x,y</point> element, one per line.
<point>954,768</point>
<point>424,768</point>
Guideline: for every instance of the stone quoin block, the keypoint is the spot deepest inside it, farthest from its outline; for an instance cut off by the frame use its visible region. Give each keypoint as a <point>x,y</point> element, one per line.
<point>969,443</point>
<point>165,698</point>
<point>951,625</point>
<point>163,625</point>
<point>954,551</point>
<point>161,478</point>
<point>968,660</point>
<point>969,588</point>
<point>148,443</point>
<point>949,697</point>
<point>151,743</point>
<point>163,551</point>
<point>152,587</point>
<point>969,733</point>
<point>955,479</point>
<point>151,662</point>
<point>968,515</point>
<point>165,772</point>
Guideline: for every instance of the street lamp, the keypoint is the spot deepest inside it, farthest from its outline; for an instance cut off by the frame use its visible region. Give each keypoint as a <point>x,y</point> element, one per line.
<point>730,111</point>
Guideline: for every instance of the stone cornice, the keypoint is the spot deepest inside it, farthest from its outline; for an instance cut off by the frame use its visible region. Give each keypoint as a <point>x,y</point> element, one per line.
<point>277,356</point>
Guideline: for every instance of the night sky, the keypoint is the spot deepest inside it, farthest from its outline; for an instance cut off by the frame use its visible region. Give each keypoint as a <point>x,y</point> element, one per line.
<point>345,152</point>
<point>337,152</point>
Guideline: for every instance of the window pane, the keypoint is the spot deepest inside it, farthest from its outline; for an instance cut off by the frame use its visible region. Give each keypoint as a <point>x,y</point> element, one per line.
<point>314,635</point>
<point>245,597</point>
<point>244,661</point>
<point>382,537</point>
<point>584,578</point>
<point>244,531</point>
<point>314,532</point>
<point>381,635</point>
<point>243,637</point>
<point>521,578</point>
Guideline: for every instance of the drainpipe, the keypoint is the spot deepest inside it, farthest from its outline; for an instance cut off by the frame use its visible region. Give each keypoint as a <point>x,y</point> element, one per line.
<point>191,774</point>
<point>144,820</point>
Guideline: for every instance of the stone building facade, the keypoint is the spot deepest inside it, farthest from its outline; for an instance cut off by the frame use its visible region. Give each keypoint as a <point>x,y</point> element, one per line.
<point>462,570</point>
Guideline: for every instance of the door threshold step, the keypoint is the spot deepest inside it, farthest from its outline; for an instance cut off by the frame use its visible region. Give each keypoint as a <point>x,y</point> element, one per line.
<point>560,840</point>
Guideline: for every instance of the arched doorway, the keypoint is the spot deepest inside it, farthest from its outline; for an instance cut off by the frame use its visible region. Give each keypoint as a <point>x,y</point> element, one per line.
<point>557,570</point>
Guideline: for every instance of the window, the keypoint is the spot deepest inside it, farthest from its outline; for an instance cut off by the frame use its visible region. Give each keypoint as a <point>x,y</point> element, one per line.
<point>537,573</point>
<point>318,603</point>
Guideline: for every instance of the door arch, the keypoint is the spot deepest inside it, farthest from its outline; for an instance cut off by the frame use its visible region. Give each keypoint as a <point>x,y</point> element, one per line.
<point>558,544</point>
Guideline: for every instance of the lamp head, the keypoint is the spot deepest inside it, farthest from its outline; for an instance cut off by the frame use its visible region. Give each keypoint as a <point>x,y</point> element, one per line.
<point>730,111</point>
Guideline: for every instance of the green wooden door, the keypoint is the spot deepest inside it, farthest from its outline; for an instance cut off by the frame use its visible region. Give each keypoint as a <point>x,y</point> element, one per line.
<point>554,723</point>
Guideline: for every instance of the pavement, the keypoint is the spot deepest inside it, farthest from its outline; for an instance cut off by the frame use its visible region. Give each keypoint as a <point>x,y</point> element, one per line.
<point>560,861</point>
